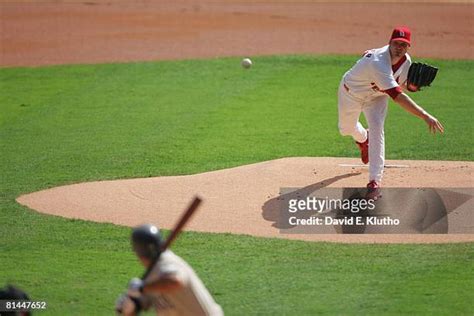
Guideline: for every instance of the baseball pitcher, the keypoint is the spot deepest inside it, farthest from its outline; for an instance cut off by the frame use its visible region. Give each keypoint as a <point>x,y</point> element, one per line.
<point>381,73</point>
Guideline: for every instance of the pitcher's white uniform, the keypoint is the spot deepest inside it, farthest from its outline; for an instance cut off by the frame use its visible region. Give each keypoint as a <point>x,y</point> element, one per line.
<point>192,299</point>
<point>366,88</point>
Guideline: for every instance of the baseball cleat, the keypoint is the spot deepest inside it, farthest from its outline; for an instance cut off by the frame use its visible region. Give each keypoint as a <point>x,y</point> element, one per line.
<point>364,150</point>
<point>373,191</point>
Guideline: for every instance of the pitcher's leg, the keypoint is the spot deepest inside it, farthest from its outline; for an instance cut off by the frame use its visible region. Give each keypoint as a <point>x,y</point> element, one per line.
<point>349,112</point>
<point>375,114</point>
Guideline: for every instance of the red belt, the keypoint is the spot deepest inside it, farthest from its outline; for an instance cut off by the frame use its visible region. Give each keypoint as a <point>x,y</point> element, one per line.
<point>346,87</point>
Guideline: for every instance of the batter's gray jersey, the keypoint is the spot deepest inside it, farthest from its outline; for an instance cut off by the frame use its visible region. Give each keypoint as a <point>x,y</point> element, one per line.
<point>192,299</point>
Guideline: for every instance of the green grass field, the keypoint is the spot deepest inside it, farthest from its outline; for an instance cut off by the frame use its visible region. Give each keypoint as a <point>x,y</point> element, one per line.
<point>67,124</point>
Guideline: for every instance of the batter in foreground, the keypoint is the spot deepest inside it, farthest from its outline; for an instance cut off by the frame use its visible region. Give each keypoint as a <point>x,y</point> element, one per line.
<point>380,73</point>
<point>171,288</point>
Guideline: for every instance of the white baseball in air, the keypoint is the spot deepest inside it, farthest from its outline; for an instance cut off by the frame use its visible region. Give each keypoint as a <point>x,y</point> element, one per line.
<point>246,63</point>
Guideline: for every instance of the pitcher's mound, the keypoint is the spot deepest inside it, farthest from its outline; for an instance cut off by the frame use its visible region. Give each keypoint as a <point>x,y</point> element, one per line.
<point>245,199</point>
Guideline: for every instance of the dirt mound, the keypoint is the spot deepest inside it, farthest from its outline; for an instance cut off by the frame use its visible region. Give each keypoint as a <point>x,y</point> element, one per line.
<point>247,199</point>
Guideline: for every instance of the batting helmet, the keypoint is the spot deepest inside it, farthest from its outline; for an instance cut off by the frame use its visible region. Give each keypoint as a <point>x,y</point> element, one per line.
<point>146,241</point>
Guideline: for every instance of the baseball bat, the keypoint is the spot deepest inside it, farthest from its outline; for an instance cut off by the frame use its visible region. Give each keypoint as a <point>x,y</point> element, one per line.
<point>179,226</point>
<point>176,230</point>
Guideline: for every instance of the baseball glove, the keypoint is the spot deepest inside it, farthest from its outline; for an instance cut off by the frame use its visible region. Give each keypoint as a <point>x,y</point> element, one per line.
<point>420,75</point>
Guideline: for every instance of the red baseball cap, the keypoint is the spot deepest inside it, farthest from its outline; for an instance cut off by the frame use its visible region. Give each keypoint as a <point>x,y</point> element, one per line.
<point>401,33</point>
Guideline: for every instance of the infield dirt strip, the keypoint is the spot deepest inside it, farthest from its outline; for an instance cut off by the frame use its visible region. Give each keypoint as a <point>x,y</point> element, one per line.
<point>241,199</point>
